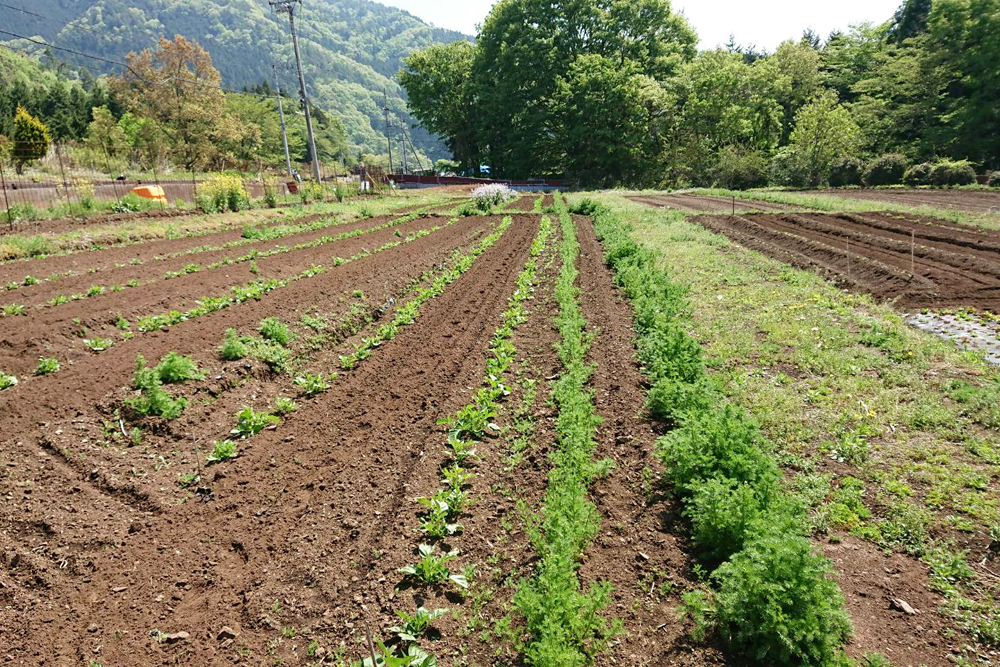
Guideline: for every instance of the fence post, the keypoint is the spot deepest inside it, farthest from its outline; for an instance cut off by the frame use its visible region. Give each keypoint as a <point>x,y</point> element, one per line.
<point>3,182</point>
<point>62,170</point>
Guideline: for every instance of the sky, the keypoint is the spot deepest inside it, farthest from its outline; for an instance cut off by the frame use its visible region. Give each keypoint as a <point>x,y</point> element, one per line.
<point>764,23</point>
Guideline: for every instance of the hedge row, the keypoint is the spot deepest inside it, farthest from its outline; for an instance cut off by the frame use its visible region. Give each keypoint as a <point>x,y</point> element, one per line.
<point>774,599</point>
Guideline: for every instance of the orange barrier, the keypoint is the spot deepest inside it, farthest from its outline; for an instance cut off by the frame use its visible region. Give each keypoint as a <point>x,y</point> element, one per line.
<point>153,192</point>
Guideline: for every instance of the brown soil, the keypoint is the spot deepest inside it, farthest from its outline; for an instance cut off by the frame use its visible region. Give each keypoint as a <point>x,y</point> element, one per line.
<point>131,246</point>
<point>974,201</point>
<point>525,203</point>
<point>873,583</point>
<point>312,543</point>
<point>56,331</point>
<point>104,270</point>
<point>641,546</point>
<point>951,265</point>
<point>705,204</point>
<point>61,225</point>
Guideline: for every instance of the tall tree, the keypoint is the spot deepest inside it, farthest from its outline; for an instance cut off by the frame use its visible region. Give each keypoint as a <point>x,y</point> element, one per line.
<point>824,132</point>
<point>910,20</point>
<point>30,139</point>
<point>178,87</point>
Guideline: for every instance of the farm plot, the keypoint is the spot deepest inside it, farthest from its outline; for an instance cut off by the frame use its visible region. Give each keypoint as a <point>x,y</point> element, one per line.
<point>913,262</point>
<point>707,204</point>
<point>973,201</point>
<point>236,475</point>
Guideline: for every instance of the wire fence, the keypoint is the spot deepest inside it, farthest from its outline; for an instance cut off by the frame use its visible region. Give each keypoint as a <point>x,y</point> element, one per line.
<point>68,182</point>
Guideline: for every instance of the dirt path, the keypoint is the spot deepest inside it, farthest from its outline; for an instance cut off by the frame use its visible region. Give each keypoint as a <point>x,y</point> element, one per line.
<point>310,544</point>
<point>912,262</point>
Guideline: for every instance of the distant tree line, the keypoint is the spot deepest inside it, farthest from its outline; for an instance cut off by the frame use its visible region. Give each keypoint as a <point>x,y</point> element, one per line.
<point>614,92</point>
<point>167,109</point>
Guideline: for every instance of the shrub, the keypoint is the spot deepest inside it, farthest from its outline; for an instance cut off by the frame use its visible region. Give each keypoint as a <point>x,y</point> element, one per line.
<point>667,351</point>
<point>947,172</point>
<point>738,169</point>
<point>725,514</point>
<point>918,174</point>
<point>250,423</point>
<point>153,400</point>
<point>275,330</point>
<point>777,605</point>
<point>994,180</point>
<point>670,399</point>
<point>130,203</point>
<point>886,169</point>
<point>232,347</point>
<point>847,171</point>
<point>7,381</point>
<point>486,197</point>
<point>221,192</point>
<point>723,442</point>
<point>222,451</point>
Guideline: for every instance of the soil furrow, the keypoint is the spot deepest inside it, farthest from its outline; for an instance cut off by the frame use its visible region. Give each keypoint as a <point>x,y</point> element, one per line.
<point>875,259</point>
<point>289,548</point>
<point>155,268</point>
<point>57,331</point>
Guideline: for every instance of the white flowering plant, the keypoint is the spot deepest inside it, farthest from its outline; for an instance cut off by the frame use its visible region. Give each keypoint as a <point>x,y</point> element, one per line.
<point>486,197</point>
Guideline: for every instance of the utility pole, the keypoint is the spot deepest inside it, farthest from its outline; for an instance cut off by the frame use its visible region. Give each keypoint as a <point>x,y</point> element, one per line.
<point>288,6</point>
<point>281,114</point>
<point>388,132</point>
<point>402,141</point>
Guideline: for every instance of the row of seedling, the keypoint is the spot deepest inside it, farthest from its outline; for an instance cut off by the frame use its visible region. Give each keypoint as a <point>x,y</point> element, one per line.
<point>562,620</point>
<point>408,313</point>
<point>771,597</point>
<point>467,428</point>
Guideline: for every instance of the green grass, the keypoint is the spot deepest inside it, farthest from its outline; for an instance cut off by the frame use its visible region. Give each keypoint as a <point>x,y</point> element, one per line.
<point>836,380</point>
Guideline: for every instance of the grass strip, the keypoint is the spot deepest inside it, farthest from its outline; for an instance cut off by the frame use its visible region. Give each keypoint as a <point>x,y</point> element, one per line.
<point>562,620</point>
<point>773,600</point>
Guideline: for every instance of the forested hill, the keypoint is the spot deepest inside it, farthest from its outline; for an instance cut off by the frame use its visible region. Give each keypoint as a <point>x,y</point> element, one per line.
<point>351,49</point>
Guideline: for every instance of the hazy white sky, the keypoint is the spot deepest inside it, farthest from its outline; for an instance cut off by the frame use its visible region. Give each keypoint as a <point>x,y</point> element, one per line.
<point>765,23</point>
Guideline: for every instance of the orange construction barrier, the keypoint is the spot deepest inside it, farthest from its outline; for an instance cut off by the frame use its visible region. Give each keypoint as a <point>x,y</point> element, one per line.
<point>153,192</point>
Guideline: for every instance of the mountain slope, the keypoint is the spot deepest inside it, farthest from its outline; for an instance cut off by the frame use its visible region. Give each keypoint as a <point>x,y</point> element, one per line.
<point>351,49</point>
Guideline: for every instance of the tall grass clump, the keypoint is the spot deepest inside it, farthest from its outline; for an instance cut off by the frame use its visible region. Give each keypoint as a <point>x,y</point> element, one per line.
<point>562,618</point>
<point>774,601</point>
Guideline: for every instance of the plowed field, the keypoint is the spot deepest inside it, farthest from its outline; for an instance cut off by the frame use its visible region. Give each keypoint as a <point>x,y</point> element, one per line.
<point>974,201</point>
<point>704,203</point>
<point>912,261</point>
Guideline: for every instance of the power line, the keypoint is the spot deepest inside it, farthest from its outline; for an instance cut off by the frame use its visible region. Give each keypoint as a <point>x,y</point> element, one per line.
<point>25,11</point>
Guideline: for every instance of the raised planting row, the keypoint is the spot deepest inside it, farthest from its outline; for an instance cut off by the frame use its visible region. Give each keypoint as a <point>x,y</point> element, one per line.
<point>47,255</point>
<point>562,621</point>
<point>59,331</point>
<point>112,267</point>
<point>468,428</point>
<point>211,259</point>
<point>771,597</point>
<point>316,500</point>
